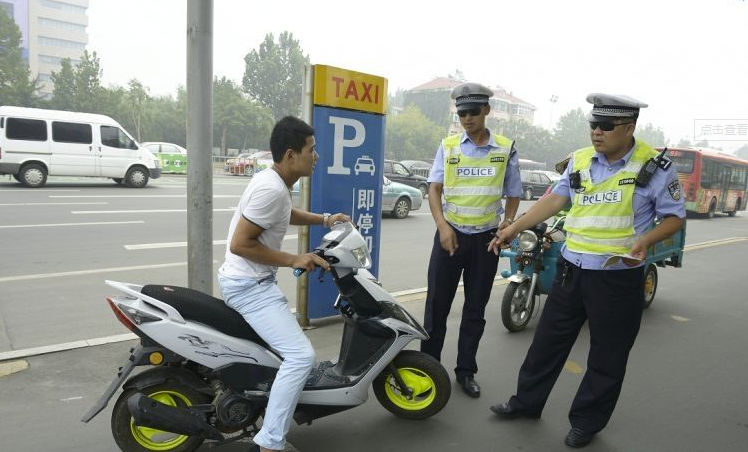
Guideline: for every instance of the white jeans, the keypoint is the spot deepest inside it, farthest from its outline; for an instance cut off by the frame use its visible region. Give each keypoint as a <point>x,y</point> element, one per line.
<point>265,308</point>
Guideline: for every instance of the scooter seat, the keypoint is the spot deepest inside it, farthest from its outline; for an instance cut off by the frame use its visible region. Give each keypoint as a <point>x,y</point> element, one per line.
<point>199,307</point>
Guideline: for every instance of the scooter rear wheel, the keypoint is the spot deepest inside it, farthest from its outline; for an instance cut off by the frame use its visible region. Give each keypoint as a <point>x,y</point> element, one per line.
<point>424,376</point>
<point>133,438</point>
<point>517,306</point>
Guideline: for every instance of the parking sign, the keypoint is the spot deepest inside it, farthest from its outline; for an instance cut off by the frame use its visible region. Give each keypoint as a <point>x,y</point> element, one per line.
<point>348,120</point>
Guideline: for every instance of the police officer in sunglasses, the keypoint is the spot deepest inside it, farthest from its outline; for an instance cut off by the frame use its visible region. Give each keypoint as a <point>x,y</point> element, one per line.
<point>470,174</point>
<point>617,187</point>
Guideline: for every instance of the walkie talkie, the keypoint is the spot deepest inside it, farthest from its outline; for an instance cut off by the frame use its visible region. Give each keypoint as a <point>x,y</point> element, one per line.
<point>575,180</point>
<point>649,168</point>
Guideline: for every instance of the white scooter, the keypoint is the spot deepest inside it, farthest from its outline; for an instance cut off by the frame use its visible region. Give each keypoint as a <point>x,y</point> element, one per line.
<point>211,374</point>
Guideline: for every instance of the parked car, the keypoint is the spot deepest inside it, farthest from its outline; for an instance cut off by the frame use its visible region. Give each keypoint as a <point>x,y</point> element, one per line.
<point>173,157</point>
<point>397,172</point>
<point>534,183</point>
<point>241,165</point>
<point>418,167</point>
<point>158,147</point>
<point>398,200</point>
<point>263,160</point>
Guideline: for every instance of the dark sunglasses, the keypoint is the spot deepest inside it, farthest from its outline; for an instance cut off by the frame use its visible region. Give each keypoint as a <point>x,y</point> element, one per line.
<point>606,126</point>
<point>472,112</point>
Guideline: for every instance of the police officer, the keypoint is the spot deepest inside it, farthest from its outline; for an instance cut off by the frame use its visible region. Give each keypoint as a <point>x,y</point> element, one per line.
<point>471,172</point>
<point>614,203</point>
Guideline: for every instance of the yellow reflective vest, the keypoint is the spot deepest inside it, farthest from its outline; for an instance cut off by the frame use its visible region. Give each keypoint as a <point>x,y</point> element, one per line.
<point>601,219</point>
<point>473,185</point>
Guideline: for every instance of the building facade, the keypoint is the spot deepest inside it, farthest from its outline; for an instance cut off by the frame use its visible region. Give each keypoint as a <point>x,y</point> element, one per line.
<point>504,105</point>
<point>52,30</point>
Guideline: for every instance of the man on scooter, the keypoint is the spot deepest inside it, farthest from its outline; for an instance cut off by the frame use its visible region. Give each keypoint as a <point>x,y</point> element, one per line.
<point>617,187</point>
<point>253,254</point>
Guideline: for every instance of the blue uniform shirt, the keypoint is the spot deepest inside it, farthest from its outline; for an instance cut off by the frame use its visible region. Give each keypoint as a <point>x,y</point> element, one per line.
<point>654,200</point>
<point>512,183</point>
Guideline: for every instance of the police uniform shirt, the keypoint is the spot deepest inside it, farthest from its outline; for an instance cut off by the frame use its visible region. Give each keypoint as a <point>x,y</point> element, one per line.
<point>663,189</point>
<point>512,183</point>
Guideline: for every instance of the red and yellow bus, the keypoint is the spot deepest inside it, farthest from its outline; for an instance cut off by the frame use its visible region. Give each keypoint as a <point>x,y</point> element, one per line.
<point>711,181</point>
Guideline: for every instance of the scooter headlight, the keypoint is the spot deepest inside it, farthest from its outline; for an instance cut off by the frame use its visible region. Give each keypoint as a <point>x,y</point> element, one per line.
<point>361,254</point>
<point>527,240</point>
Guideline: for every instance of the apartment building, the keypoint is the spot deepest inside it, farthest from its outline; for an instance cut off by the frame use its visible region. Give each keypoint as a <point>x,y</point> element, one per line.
<point>504,105</point>
<point>52,30</point>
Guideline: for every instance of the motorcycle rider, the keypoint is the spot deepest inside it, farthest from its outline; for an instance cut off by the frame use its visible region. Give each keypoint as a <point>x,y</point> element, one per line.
<point>253,254</point>
<point>617,188</point>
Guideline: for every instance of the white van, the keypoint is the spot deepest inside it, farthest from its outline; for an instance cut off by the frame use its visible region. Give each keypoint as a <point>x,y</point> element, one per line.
<point>35,143</point>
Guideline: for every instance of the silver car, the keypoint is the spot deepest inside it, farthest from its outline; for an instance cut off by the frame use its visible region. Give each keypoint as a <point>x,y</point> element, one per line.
<point>397,199</point>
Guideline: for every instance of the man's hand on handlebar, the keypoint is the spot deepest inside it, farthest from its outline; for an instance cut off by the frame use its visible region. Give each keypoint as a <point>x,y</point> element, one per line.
<point>308,261</point>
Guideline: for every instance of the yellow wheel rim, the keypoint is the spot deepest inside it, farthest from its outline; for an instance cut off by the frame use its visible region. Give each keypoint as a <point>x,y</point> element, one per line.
<point>154,439</point>
<point>649,285</point>
<point>419,383</point>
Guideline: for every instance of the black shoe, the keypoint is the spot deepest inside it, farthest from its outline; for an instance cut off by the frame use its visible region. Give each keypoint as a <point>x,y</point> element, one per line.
<point>578,438</point>
<point>507,411</point>
<point>469,385</point>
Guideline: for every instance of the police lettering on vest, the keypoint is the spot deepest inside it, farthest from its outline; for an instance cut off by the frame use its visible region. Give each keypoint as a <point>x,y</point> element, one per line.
<point>473,171</point>
<point>608,197</point>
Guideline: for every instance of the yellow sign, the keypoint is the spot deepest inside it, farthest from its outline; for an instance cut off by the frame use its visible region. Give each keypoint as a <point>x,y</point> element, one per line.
<point>336,87</point>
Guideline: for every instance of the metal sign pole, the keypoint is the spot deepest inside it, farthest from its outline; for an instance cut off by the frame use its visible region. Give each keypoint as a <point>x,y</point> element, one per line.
<point>302,288</point>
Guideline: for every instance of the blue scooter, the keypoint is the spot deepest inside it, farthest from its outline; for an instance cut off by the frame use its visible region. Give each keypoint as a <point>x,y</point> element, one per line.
<point>532,259</point>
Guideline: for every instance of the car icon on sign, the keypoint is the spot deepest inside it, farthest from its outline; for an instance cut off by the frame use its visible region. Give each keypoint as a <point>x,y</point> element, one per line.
<point>364,164</point>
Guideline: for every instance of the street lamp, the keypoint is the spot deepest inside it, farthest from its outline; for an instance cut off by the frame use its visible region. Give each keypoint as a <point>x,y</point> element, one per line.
<point>552,100</point>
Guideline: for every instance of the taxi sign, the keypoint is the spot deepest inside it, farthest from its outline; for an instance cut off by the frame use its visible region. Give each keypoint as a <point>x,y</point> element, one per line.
<point>342,88</point>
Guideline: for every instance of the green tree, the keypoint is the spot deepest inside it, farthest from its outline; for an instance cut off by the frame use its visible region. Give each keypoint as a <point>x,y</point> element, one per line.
<point>411,135</point>
<point>534,143</point>
<point>572,132</point>
<point>137,104</point>
<point>273,74</point>
<point>16,86</point>
<point>433,104</point>
<point>653,136</point>
<point>63,93</point>
<point>79,88</point>
<point>237,121</point>
<point>684,143</point>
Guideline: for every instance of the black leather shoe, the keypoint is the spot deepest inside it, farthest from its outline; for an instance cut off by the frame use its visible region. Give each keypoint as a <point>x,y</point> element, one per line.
<point>507,411</point>
<point>469,386</point>
<point>578,438</point>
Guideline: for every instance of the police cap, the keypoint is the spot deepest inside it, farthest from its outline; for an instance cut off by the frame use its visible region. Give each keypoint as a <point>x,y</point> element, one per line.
<point>607,107</point>
<point>470,95</point>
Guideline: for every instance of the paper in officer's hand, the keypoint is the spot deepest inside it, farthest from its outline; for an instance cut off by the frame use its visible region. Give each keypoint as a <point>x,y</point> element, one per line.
<point>616,258</point>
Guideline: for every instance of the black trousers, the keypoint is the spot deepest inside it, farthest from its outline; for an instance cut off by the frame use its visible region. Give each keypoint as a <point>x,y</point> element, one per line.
<point>612,301</point>
<point>477,266</point>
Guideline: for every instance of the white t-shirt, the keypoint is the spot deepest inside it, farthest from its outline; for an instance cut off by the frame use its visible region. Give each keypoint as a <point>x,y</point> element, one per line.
<point>267,203</point>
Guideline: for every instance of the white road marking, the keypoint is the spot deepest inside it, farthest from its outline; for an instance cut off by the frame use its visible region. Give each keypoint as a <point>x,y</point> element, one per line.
<point>99,223</point>
<point>85,212</point>
<point>70,399</point>
<point>136,196</point>
<point>151,246</point>
<point>35,190</point>
<point>89,272</point>
<point>55,204</point>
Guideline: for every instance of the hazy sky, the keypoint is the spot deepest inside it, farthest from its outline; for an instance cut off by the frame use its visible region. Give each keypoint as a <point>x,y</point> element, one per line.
<point>687,59</point>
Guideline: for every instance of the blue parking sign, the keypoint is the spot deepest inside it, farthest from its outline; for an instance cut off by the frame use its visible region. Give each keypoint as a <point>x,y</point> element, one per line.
<point>347,179</point>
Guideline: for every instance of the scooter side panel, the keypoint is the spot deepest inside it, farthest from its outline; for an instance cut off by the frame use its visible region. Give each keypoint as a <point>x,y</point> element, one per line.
<point>206,346</point>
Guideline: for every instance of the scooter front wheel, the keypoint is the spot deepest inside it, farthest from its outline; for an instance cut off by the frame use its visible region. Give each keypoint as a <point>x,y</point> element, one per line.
<point>517,306</point>
<point>134,438</point>
<point>426,379</point>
